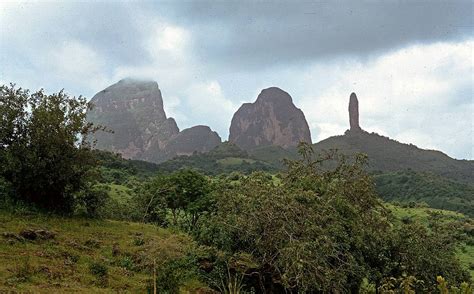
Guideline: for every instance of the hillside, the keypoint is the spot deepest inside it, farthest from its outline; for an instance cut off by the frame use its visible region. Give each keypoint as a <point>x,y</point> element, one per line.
<point>434,190</point>
<point>388,155</point>
<point>84,255</point>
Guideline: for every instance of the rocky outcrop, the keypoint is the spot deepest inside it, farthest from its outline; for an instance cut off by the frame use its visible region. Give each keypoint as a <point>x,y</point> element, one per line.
<point>133,111</point>
<point>194,139</point>
<point>354,113</point>
<point>272,119</point>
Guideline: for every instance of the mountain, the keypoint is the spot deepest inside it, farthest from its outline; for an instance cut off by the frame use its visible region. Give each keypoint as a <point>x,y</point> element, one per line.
<point>272,120</point>
<point>389,155</point>
<point>133,111</point>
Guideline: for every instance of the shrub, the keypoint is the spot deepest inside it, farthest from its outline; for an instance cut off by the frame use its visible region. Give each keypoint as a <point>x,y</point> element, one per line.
<point>90,200</point>
<point>100,271</point>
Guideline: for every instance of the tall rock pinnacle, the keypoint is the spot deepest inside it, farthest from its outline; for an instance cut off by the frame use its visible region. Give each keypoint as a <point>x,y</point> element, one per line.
<point>354,113</point>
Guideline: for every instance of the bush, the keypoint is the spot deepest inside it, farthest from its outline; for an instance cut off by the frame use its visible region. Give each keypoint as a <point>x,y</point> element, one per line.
<point>90,200</point>
<point>321,230</point>
<point>174,273</point>
<point>101,272</point>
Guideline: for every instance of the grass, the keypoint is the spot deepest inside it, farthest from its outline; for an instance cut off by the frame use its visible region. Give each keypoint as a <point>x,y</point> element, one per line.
<point>92,256</point>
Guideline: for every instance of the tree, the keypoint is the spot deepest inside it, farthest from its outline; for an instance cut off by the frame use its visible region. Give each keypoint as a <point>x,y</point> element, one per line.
<point>44,147</point>
<point>185,193</point>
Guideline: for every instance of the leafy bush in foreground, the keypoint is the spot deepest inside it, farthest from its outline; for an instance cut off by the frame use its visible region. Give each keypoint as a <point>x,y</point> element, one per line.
<point>319,230</point>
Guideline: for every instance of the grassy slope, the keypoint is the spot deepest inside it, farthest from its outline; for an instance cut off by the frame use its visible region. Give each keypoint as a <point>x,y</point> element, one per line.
<point>63,262</point>
<point>465,253</point>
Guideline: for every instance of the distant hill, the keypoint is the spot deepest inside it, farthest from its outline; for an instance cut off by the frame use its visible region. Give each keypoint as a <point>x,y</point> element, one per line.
<point>225,158</point>
<point>388,155</point>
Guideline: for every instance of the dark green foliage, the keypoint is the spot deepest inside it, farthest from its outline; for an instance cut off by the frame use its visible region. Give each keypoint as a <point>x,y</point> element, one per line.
<point>5,191</point>
<point>424,254</point>
<point>412,187</point>
<point>44,152</point>
<point>100,272</point>
<point>118,170</point>
<point>98,269</point>
<point>308,234</point>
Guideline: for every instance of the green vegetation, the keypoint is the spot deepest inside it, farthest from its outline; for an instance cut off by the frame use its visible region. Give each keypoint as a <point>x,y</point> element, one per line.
<point>459,223</point>
<point>44,153</point>
<point>90,221</point>
<point>225,158</point>
<point>388,155</point>
<point>434,190</point>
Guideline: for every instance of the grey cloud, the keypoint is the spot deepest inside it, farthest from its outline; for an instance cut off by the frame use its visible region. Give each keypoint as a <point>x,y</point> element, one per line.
<point>251,34</point>
<point>107,27</point>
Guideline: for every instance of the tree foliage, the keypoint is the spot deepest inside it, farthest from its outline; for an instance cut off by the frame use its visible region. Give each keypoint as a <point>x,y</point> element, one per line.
<point>185,194</point>
<point>320,230</point>
<point>44,148</point>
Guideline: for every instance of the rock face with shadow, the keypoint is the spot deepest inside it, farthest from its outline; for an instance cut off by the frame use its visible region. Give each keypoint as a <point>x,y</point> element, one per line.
<point>133,112</point>
<point>272,120</point>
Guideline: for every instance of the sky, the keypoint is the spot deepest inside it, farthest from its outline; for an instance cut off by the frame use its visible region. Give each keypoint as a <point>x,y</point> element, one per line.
<point>409,62</point>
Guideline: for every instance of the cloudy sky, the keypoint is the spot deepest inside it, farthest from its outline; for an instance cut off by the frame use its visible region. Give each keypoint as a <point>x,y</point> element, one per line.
<point>410,62</point>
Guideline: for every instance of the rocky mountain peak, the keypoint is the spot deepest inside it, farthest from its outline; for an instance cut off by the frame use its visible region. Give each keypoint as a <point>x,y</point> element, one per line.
<point>274,95</point>
<point>272,119</point>
<point>133,110</point>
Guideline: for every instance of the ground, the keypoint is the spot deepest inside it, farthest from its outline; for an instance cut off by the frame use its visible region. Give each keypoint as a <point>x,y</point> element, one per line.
<point>105,256</point>
<point>75,259</point>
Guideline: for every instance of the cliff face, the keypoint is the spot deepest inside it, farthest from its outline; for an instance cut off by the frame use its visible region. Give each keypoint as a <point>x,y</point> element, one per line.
<point>133,111</point>
<point>272,119</point>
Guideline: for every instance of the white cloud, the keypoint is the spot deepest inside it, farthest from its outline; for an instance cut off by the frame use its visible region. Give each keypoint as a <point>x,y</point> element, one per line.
<point>76,62</point>
<point>188,93</point>
<point>405,94</point>
<point>167,44</point>
<point>420,94</point>
<point>207,102</point>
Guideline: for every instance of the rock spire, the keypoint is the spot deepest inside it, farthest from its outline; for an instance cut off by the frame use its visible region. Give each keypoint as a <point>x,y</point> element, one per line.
<point>354,113</point>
